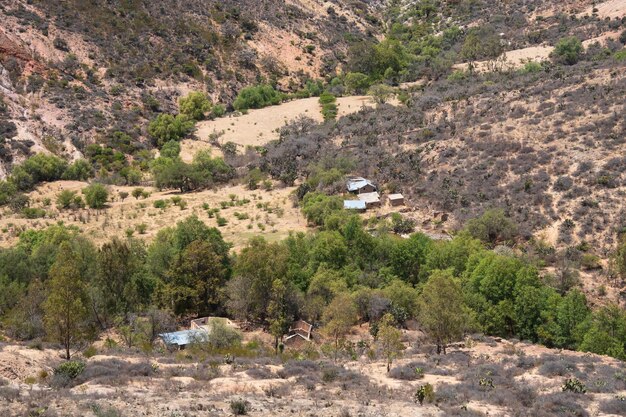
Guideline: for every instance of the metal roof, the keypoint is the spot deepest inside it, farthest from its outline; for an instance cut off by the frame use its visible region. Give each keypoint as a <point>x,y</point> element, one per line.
<point>354,204</point>
<point>355,184</point>
<point>184,337</point>
<point>370,197</point>
<point>395,196</point>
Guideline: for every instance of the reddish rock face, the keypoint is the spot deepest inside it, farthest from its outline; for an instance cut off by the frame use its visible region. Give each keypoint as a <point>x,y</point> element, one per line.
<point>11,49</point>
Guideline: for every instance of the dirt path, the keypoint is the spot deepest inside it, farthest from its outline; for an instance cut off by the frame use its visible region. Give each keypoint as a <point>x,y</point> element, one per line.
<point>258,127</point>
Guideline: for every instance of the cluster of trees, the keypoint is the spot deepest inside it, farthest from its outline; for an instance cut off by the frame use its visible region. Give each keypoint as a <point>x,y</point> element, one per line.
<point>256,97</point>
<point>35,170</point>
<point>194,107</point>
<point>342,275</point>
<point>170,171</point>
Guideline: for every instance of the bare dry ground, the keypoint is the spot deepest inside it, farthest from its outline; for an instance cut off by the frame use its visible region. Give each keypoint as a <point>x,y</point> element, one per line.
<point>270,213</point>
<point>517,58</point>
<point>483,376</point>
<point>257,127</point>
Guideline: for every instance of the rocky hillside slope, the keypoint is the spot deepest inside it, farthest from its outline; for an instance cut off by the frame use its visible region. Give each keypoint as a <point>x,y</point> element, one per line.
<point>72,71</point>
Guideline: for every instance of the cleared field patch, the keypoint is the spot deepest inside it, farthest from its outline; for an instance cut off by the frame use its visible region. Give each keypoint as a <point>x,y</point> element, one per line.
<point>258,127</point>
<point>247,213</point>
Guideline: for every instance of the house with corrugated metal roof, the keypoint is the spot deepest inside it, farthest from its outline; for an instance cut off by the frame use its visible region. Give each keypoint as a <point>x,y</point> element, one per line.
<point>200,331</point>
<point>183,338</point>
<point>360,185</point>
<point>355,205</point>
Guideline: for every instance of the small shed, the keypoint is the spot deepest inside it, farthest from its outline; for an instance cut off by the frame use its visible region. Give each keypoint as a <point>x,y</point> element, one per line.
<point>370,199</point>
<point>183,338</point>
<point>356,205</point>
<point>299,333</point>
<point>360,185</point>
<point>396,199</point>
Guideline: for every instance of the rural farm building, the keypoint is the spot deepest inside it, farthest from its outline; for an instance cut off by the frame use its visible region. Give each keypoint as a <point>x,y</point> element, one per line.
<point>370,199</point>
<point>299,332</point>
<point>356,205</point>
<point>199,332</point>
<point>183,338</point>
<point>396,199</point>
<point>360,185</point>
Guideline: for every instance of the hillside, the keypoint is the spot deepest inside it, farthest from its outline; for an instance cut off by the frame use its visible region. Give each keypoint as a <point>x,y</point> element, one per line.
<point>177,238</point>
<point>74,72</point>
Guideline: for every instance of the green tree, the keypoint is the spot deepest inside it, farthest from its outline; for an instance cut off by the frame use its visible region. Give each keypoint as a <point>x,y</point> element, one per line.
<point>256,97</point>
<point>409,255</point>
<point>381,93</point>
<point>96,195</point>
<point>117,262</point>
<point>356,83</point>
<point>80,170</point>
<point>196,280</point>
<point>196,105</point>
<point>338,319</point>
<point>167,127</point>
<point>389,339</point>
<point>279,315</point>
<point>66,306</point>
<point>480,43</point>
<point>258,265</point>
<point>442,313</point>
<point>568,50</point>
<point>607,332</point>
<point>492,227</point>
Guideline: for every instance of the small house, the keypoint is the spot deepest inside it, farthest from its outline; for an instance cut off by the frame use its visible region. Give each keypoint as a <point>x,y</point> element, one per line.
<point>370,199</point>
<point>299,333</point>
<point>356,205</point>
<point>360,185</point>
<point>396,199</point>
<point>182,339</point>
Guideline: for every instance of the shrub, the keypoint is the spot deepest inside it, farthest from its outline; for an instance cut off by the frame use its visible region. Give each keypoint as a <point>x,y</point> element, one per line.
<point>223,336</point>
<point>96,195</point>
<point>167,127</point>
<point>195,105</point>
<point>160,204</point>
<point>381,93</point>
<point>65,199</point>
<point>531,67</point>
<point>329,111</point>
<point>33,213</point>
<point>239,407</point>
<point>574,385</point>
<point>256,97</point>
<point>409,372</point>
<point>356,82</point>
<point>568,50</point>
<point>70,369</point>
<point>401,225</point>
<point>426,393</point>
<point>493,226</point>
